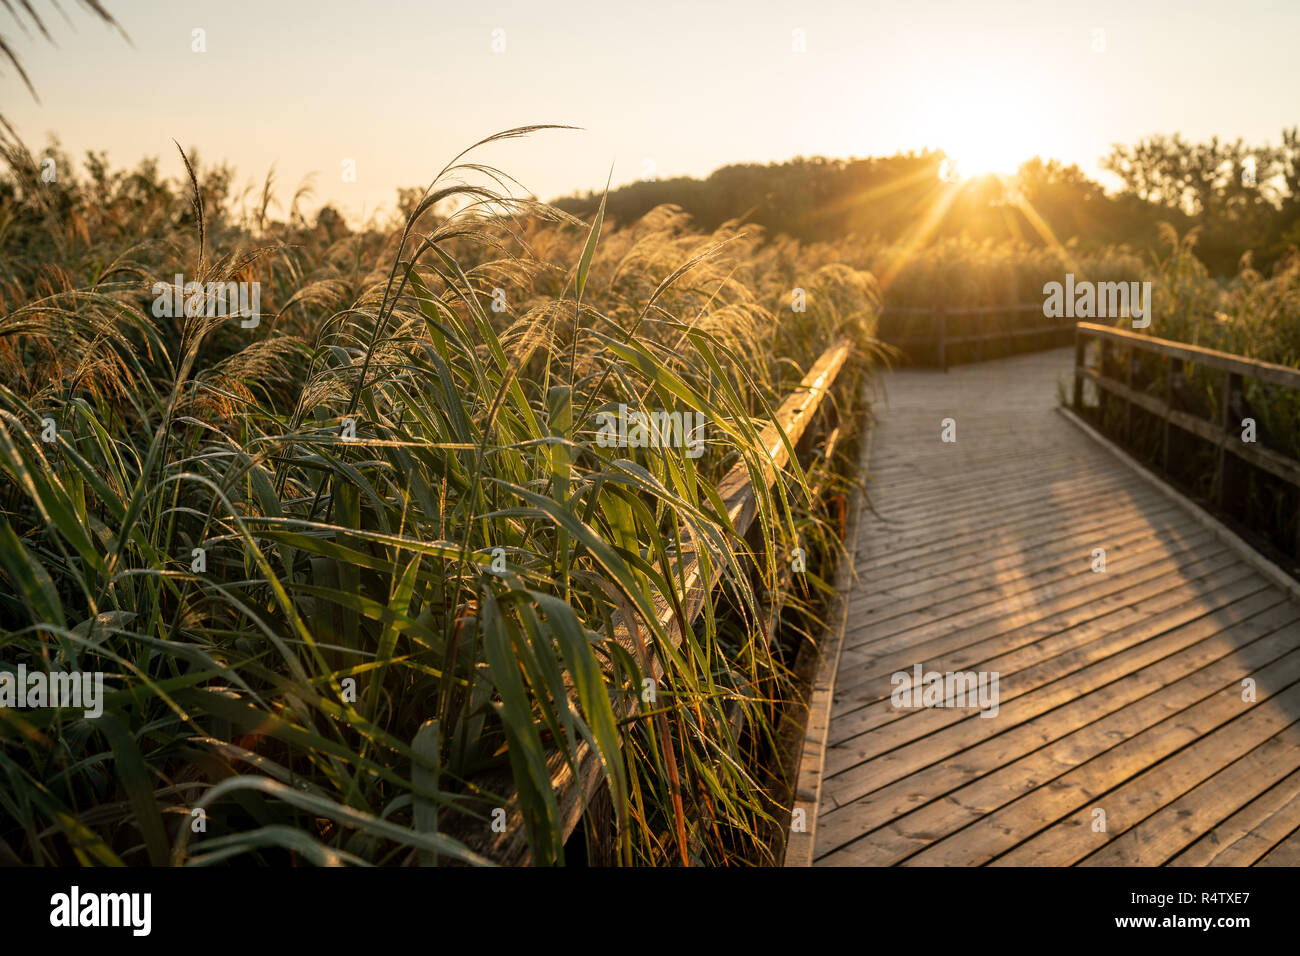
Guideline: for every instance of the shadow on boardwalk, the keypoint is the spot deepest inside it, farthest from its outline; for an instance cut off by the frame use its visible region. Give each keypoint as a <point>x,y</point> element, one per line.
<point>1124,731</point>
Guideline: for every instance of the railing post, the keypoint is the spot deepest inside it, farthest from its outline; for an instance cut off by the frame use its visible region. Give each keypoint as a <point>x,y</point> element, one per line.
<point>1103,395</point>
<point>1128,402</point>
<point>941,323</point>
<point>1297,522</point>
<point>1080,343</point>
<point>1232,385</point>
<point>1169,408</point>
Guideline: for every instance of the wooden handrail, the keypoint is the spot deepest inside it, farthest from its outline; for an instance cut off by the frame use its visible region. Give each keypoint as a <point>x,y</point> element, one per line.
<point>574,792</point>
<point>942,340</point>
<point>964,310</point>
<point>1225,436</point>
<point>1224,361</point>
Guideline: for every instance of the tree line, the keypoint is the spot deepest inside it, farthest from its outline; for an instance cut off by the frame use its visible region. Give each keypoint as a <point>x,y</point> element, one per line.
<point>1239,198</point>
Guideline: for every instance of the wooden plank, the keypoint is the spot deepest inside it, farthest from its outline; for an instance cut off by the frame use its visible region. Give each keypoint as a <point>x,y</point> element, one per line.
<point>1020,628</point>
<point>1027,668</point>
<point>1248,554</point>
<point>1286,853</point>
<point>1129,785</point>
<point>1157,838</point>
<point>993,775</point>
<point>1052,608</point>
<point>965,310</point>
<point>1250,832</point>
<point>894,496</point>
<point>919,550</point>
<point>1012,573</point>
<point>1005,587</point>
<point>969,557</point>
<point>912,516</point>
<point>908,758</point>
<point>1006,334</point>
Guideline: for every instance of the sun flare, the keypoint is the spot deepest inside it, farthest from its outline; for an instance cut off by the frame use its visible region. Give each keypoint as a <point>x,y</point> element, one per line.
<point>984,127</point>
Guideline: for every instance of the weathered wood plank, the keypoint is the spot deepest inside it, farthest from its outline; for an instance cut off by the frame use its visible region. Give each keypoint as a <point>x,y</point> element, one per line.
<point>1250,832</point>
<point>1107,717</point>
<point>1201,741</point>
<point>1119,689</point>
<point>1157,838</point>
<point>904,758</point>
<point>1046,662</point>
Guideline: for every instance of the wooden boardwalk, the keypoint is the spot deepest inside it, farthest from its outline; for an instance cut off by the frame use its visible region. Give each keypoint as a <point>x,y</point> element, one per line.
<point>1120,692</point>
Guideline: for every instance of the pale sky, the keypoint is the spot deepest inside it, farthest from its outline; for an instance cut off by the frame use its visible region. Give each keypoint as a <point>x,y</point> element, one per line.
<point>401,86</point>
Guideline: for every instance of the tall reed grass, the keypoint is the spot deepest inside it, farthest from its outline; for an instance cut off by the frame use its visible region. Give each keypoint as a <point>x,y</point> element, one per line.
<point>381,622</point>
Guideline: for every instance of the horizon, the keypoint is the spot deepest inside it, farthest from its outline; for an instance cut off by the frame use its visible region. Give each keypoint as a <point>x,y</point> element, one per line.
<point>997,67</point>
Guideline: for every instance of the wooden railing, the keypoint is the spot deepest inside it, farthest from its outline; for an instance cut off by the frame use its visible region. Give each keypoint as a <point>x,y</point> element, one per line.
<point>1226,435</point>
<point>941,340</point>
<point>576,792</point>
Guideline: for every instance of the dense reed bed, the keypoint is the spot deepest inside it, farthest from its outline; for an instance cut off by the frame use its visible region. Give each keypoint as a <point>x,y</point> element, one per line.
<point>338,564</point>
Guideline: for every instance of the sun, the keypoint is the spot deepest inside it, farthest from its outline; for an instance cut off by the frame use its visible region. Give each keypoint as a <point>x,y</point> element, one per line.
<point>983,126</point>
<point>975,156</point>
